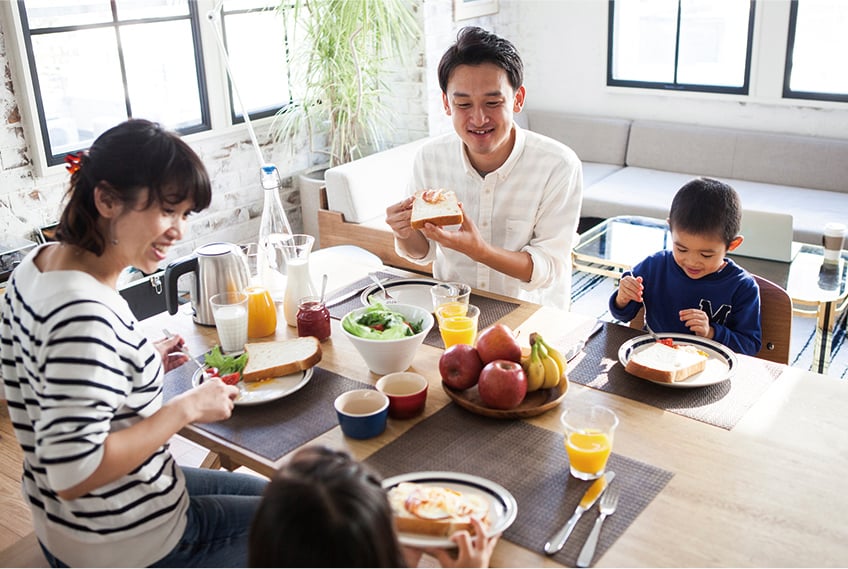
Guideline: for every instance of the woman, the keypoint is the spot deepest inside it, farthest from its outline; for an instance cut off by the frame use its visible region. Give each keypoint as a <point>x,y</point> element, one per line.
<point>84,386</point>
<point>333,512</point>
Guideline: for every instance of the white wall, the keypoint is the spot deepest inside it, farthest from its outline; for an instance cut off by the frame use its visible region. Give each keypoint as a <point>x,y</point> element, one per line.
<point>564,45</point>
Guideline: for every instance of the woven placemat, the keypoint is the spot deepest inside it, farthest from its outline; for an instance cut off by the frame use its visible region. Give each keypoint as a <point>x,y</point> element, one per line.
<point>275,428</point>
<point>338,311</point>
<point>491,310</point>
<point>532,464</point>
<point>721,404</point>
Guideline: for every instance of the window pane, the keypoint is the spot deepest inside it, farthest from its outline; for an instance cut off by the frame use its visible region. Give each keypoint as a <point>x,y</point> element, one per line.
<point>135,9</point>
<point>255,43</point>
<point>821,44</point>
<point>644,40</point>
<point>54,13</point>
<point>713,42</point>
<point>70,65</point>
<point>162,76</point>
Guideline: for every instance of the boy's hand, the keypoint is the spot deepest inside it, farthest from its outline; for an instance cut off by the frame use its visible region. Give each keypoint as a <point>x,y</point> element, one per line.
<point>629,289</point>
<point>698,322</point>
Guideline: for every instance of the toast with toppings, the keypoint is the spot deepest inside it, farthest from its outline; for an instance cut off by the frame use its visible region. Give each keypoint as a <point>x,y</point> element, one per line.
<point>436,510</point>
<point>667,364</point>
<point>439,207</point>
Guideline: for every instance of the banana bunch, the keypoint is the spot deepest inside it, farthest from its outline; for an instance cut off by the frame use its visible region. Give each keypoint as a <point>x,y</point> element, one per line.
<point>543,365</point>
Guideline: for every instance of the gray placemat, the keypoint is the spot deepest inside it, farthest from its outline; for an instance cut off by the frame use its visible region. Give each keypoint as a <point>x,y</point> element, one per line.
<point>491,310</point>
<point>275,428</point>
<point>532,464</point>
<point>338,311</point>
<point>722,404</point>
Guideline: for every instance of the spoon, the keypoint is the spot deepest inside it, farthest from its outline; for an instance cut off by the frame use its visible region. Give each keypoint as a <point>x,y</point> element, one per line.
<point>323,287</point>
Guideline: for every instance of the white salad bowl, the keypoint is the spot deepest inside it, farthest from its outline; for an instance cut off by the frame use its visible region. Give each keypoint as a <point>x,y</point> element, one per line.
<point>392,355</point>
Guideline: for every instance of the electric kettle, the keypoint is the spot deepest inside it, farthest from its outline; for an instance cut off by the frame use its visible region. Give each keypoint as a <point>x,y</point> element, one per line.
<point>217,267</point>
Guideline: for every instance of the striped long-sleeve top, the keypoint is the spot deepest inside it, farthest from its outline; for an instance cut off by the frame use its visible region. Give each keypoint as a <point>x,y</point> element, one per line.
<point>75,367</point>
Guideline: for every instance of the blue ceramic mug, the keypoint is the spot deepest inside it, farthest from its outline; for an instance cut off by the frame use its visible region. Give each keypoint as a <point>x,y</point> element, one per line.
<point>362,413</point>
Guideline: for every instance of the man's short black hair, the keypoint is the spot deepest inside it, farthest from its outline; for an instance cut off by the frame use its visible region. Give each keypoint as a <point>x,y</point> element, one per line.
<point>475,46</point>
<point>705,206</point>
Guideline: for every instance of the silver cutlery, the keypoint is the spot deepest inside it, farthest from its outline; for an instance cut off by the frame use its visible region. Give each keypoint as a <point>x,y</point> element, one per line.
<point>557,540</point>
<point>386,296</point>
<point>577,347</point>
<point>653,334</point>
<point>609,502</point>
<point>185,351</point>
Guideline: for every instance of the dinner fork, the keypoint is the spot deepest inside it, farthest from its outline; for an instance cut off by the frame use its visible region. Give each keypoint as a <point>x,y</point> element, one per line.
<point>386,296</point>
<point>607,506</point>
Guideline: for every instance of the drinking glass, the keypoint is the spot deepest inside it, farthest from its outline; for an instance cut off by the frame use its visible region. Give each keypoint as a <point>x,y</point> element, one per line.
<point>229,309</point>
<point>588,439</point>
<point>458,323</point>
<point>261,312</point>
<point>442,293</point>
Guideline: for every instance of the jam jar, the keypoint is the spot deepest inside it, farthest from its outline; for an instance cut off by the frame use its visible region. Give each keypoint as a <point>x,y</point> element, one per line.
<point>313,318</point>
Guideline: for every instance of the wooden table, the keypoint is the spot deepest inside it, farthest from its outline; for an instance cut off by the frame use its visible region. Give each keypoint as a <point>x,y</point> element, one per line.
<point>782,468</point>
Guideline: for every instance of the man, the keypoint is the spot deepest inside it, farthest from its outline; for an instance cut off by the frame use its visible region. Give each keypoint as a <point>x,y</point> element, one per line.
<point>520,192</point>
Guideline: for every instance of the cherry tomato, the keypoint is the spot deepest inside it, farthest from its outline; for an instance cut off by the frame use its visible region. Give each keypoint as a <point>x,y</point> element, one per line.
<point>212,371</point>
<point>667,341</point>
<point>231,378</point>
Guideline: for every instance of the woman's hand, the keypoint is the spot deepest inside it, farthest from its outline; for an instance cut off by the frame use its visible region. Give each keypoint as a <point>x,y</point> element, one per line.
<point>169,349</point>
<point>210,401</point>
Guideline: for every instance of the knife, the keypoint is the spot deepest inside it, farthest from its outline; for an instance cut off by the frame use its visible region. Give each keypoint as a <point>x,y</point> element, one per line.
<point>594,492</point>
<point>576,348</point>
<point>345,297</point>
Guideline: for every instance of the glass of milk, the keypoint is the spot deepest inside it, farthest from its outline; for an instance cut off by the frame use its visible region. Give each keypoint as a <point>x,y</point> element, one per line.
<point>229,309</point>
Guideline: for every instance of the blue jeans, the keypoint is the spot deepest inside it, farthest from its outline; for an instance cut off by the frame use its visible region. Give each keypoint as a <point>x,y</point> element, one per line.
<point>221,509</point>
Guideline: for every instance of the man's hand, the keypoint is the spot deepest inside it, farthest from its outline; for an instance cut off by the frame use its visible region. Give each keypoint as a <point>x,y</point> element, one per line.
<point>398,216</point>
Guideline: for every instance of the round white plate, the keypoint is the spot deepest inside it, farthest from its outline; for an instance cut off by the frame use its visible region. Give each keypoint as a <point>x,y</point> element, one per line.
<point>406,291</point>
<point>502,505</point>
<point>268,390</point>
<point>721,365</point>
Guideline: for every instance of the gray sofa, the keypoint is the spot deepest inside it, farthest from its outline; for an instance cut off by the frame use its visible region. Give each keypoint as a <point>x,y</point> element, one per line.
<point>630,167</point>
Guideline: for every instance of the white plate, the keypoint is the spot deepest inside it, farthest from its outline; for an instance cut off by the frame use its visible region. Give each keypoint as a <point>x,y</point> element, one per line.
<point>264,391</point>
<point>502,505</point>
<point>721,365</point>
<point>406,291</point>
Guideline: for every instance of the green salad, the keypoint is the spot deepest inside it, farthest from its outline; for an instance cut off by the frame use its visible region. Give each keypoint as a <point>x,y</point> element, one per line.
<point>380,323</point>
<point>225,364</point>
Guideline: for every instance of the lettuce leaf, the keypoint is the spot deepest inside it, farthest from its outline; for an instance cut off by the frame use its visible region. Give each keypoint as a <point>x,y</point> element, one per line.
<point>379,323</point>
<point>225,364</point>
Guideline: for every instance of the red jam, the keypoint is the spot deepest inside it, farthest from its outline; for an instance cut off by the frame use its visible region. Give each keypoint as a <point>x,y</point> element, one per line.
<point>313,319</point>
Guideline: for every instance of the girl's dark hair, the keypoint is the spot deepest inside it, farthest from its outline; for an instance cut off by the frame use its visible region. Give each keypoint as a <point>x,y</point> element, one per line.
<point>324,509</point>
<point>705,206</point>
<point>125,160</point>
<point>475,46</point>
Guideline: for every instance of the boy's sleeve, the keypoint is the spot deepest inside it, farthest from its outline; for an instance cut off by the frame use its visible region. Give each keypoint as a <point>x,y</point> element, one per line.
<point>743,334</point>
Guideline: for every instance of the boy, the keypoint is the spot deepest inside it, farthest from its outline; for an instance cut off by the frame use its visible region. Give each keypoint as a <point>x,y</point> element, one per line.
<point>693,288</point>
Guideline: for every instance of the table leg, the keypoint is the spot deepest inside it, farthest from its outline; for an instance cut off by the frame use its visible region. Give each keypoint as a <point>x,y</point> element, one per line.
<point>825,321</point>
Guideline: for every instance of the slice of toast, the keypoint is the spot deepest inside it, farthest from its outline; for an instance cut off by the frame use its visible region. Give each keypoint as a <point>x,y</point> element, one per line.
<point>666,364</point>
<point>439,207</point>
<point>278,358</point>
<point>435,510</point>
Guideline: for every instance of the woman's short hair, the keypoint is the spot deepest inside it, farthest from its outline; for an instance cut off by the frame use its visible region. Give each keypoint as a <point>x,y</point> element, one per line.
<point>324,509</point>
<point>126,160</point>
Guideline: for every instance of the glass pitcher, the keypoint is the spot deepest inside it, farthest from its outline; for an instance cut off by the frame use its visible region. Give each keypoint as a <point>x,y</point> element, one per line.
<point>298,280</point>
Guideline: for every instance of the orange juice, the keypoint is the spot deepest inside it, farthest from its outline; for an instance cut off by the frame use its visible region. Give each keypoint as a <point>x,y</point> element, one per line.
<point>458,330</point>
<point>588,450</point>
<point>451,309</point>
<point>261,312</point>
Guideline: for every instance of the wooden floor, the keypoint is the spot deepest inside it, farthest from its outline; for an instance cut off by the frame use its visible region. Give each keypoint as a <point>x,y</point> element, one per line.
<point>18,546</point>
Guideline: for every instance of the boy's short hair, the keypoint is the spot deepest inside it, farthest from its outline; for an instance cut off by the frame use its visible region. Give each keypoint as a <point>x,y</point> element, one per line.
<point>475,46</point>
<point>705,206</point>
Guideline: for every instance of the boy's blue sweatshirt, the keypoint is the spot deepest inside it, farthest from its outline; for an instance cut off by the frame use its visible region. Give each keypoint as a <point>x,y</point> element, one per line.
<point>730,297</point>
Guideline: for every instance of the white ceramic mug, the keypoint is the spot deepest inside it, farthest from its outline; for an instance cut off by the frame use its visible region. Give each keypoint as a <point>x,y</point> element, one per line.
<point>832,239</point>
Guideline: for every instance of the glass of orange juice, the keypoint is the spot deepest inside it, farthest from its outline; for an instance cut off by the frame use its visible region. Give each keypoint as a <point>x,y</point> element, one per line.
<point>457,323</point>
<point>588,439</point>
<point>261,312</point>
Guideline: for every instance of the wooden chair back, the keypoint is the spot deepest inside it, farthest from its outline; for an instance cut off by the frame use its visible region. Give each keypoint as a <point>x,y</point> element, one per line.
<point>775,321</point>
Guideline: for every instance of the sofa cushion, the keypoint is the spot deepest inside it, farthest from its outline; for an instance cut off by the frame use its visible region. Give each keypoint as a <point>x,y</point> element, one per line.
<point>648,192</point>
<point>790,160</point>
<point>363,188</point>
<point>594,139</point>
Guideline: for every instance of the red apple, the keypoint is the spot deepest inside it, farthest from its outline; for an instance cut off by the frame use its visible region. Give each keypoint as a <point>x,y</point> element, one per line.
<point>502,384</point>
<point>498,343</point>
<point>460,366</point>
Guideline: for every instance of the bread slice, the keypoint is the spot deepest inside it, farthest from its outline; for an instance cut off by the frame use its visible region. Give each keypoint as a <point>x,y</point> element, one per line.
<point>439,207</point>
<point>436,510</point>
<point>282,357</point>
<point>666,364</point>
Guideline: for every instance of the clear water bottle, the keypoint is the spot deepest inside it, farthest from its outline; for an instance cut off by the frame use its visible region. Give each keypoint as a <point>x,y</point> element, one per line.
<point>274,228</point>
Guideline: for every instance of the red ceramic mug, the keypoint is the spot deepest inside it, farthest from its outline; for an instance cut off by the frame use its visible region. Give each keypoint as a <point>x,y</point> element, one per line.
<point>407,393</point>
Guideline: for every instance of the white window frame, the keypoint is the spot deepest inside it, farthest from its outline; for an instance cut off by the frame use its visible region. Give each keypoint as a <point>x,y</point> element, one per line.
<point>220,112</point>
